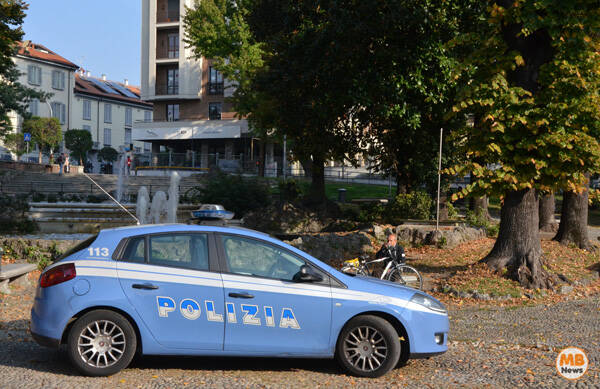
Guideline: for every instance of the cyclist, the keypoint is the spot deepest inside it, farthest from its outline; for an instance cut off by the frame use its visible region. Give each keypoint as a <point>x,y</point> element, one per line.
<point>391,249</point>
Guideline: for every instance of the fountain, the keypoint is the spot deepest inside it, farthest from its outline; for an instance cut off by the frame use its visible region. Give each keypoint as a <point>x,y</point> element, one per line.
<point>158,207</point>
<point>173,201</point>
<point>122,178</point>
<point>142,206</point>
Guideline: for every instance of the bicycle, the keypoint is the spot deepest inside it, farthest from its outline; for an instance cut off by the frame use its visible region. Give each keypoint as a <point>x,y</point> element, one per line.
<point>394,271</point>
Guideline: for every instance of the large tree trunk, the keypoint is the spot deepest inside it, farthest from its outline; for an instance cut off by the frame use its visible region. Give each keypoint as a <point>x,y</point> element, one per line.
<point>317,186</point>
<point>547,206</point>
<point>518,247</point>
<point>573,226</point>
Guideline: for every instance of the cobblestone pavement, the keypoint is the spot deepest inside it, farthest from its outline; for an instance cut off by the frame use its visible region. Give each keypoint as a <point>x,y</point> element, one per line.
<point>489,347</point>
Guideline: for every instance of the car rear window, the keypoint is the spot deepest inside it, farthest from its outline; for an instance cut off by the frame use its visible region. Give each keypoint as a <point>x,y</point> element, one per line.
<point>78,247</point>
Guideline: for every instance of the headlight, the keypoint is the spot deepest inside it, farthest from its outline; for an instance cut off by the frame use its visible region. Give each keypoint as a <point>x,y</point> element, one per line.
<point>428,302</point>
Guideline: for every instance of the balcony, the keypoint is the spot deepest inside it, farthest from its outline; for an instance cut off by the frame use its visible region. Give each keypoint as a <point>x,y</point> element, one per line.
<point>166,89</point>
<point>215,88</point>
<point>171,16</point>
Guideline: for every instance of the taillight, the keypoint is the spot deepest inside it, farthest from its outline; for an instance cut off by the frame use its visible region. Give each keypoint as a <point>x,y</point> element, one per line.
<point>58,274</point>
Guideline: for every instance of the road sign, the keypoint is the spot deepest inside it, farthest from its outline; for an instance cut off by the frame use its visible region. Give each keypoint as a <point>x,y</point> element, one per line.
<point>27,137</point>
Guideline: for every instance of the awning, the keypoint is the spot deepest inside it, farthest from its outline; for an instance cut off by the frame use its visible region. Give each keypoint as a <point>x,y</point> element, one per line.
<point>172,131</point>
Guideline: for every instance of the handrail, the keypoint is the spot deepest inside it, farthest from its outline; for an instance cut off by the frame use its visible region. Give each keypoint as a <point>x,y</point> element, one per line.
<point>113,199</point>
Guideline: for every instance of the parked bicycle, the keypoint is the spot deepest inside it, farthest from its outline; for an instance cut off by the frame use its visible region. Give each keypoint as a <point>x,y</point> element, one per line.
<point>395,271</point>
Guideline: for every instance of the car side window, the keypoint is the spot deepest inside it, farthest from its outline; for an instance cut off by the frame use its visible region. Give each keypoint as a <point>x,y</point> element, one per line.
<point>179,250</point>
<point>253,258</point>
<point>135,251</point>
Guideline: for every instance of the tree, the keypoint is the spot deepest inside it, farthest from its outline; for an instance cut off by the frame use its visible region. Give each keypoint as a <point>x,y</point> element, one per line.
<point>547,207</point>
<point>285,59</point>
<point>15,143</point>
<point>13,95</point>
<point>534,86</point>
<point>79,142</point>
<point>107,154</point>
<point>45,132</point>
<point>573,227</point>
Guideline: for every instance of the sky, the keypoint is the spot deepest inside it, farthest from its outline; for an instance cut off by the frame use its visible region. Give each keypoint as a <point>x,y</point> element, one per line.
<point>102,36</point>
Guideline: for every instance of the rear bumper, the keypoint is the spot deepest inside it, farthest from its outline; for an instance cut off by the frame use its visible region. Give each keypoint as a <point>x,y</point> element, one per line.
<point>45,341</point>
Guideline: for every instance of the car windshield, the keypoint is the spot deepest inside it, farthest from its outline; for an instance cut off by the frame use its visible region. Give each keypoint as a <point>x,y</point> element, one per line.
<point>78,247</point>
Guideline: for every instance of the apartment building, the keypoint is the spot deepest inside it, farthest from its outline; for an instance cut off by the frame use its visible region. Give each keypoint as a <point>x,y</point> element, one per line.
<point>191,112</point>
<point>108,109</point>
<point>47,71</point>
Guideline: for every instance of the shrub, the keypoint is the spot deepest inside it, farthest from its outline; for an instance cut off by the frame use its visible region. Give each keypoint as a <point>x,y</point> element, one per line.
<point>95,199</point>
<point>38,197</point>
<point>452,212</point>
<point>52,198</point>
<point>289,190</point>
<point>480,219</point>
<point>236,193</point>
<point>416,205</point>
<point>13,217</point>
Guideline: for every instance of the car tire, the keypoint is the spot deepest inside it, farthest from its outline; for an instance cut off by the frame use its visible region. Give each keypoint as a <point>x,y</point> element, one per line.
<point>101,343</point>
<point>368,346</point>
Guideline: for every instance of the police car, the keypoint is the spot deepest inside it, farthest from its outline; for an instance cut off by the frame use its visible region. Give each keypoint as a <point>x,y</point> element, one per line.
<point>203,290</point>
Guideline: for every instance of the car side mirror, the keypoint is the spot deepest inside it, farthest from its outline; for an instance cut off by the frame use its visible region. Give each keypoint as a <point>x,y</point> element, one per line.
<point>306,274</point>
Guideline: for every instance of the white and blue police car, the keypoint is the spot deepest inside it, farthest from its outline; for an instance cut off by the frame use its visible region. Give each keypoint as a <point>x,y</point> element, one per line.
<point>203,290</point>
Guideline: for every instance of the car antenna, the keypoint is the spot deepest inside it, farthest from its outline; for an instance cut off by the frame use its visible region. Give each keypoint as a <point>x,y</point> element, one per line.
<point>113,199</point>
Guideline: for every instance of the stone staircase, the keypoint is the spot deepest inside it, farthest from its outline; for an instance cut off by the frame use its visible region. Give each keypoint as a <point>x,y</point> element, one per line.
<point>24,182</point>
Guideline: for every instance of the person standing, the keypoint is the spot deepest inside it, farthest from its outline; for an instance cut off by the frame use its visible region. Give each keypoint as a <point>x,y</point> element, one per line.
<point>61,161</point>
<point>128,165</point>
<point>67,166</point>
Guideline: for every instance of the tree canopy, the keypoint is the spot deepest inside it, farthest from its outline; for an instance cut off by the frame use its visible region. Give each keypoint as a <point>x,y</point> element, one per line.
<point>79,142</point>
<point>13,95</point>
<point>45,132</point>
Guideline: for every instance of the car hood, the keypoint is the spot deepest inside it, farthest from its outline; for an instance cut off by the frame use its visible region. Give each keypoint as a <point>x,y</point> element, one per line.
<point>379,287</point>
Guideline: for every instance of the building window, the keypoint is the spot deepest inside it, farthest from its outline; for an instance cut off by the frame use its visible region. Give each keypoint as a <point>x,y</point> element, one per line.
<point>215,82</point>
<point>127,137</point>
<point>128,117</point>
<point>147,116</point>
<point>107,141</point>
<point>172,81</point>
<point>172,112</point>
<point>214,111</point>
<point>34,75</point>
<point>58,80</point>
<point>173,46</point>
<point>87,110</point>
<point>59,111</point>
<point>33,107</point>
<point>147,146</point>
<point>107,113</point>
<point>86,127</point>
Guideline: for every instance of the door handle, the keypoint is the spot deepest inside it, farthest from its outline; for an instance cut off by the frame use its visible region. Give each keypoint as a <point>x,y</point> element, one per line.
<point>241,295</point>
<point>144,286</point>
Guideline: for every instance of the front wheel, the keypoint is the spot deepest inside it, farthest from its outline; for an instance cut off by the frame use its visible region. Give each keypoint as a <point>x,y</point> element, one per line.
<point>407,276</point>
<point>368,346</point>
<point>101,343</point>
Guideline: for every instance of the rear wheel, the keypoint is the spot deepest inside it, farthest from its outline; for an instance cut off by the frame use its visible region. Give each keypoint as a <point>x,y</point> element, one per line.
<point>368,346</point>
<point>101,343</point>
<point>407,276</point>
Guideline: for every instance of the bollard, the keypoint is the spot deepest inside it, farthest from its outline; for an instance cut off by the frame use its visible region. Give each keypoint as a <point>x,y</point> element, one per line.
<point>342,195</point>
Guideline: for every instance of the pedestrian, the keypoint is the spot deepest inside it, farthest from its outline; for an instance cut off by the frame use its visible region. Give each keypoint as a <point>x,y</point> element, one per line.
<point>128,165</point>
<point>67,166</point>
<point>60,160</point>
